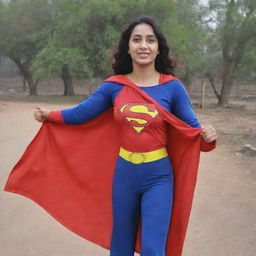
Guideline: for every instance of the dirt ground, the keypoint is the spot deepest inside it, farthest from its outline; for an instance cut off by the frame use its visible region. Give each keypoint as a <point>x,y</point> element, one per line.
<point>223,219</point>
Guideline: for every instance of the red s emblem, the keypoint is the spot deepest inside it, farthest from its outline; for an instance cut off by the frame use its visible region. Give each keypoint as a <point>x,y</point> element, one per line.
<point>138,115</point>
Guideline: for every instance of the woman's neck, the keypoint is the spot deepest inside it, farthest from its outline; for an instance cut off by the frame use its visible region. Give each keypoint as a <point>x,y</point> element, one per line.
<point>144,76</point>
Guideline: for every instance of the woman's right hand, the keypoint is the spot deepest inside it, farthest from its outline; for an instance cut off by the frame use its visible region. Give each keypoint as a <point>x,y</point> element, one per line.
<point>40,114</point>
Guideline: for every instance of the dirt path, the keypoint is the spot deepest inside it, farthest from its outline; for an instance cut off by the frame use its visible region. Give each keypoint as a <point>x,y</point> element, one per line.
<point>223,220</point>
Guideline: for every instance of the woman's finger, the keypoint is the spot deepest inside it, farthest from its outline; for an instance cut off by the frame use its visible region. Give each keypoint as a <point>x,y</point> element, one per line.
<point>210,137</point>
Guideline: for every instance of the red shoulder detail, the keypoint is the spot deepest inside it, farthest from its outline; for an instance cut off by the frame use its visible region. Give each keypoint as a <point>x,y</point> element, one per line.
<point>122,79</point>
<point>167,78</point>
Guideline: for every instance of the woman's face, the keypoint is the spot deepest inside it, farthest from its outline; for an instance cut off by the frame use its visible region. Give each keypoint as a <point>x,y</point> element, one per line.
<point>143,45</point>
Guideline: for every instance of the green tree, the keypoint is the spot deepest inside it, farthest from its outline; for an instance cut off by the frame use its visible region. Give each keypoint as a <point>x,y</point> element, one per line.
<point>234,35</point>
<point>68,63</point>
<point>63,53</point>
<point>104,20</point>
<point>188,38</point>
<point>92,27</point>
<point>24,24</point>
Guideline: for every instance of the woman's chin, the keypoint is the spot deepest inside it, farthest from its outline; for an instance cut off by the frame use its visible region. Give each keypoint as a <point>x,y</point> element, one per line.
<point>144,63</point>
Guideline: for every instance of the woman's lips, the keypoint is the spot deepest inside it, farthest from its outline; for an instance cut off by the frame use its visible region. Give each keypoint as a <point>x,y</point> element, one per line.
<point>143,54</point>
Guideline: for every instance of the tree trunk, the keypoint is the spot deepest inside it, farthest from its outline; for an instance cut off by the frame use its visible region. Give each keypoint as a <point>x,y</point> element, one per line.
<point>23,84</point>
<point>187,79</point>
<point>27,76</point>
<point>68,84</point>
<point>227,83</point>
<point>210,78</point>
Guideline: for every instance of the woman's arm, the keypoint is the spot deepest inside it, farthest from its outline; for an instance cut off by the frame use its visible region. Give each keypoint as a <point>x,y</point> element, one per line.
<point>97,103</point>
<point>182,108</point>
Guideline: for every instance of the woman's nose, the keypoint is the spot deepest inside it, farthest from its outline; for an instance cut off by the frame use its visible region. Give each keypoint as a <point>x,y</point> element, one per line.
<point>143,44</point>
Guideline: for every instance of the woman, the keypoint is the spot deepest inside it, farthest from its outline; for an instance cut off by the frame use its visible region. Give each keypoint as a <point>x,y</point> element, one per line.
<point>143,178</point>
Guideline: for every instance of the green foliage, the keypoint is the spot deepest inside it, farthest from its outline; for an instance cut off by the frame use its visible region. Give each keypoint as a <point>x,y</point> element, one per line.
<point>234,34</point>
<point>63,47</point>
<point>247,66</point>
<point>51,60</point>
<point>24,27</point>
<point>185,31</point>
<point>94,26</point>
<point>81,34</point>
<point>104,20</point>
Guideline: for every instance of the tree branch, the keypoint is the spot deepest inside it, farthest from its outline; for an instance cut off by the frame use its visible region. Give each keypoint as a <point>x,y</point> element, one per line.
<point>211,80</point>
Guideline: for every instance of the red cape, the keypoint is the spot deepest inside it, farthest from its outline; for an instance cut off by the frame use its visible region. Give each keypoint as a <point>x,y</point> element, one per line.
<point>68,170</point>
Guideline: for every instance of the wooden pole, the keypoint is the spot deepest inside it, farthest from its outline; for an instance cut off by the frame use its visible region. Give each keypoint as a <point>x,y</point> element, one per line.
<point>203,90</point>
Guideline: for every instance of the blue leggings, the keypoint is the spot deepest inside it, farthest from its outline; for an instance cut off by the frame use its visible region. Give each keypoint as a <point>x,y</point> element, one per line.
<point>141,190</point>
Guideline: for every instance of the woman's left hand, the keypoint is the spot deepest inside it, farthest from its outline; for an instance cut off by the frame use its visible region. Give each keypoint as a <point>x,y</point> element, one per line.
<point>209,134</point>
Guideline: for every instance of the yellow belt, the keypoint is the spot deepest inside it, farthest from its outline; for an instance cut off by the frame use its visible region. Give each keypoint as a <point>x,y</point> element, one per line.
<point>143,157</point>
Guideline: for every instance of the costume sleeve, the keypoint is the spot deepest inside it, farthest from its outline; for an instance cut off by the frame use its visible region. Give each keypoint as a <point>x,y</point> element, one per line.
<point>97,103</point>
<point>55,117</point>
<point>206,147</point>
<point>183,109</point>
<point>181,106</point>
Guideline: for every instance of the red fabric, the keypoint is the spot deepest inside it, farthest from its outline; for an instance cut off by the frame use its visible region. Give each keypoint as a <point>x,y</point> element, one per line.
<point>142,128</point>
<point>55,117</point>
<point>68,170</point>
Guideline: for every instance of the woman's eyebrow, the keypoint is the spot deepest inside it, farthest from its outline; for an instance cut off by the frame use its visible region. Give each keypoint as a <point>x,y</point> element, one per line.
<point>151,36</point>
<point>138,35</point>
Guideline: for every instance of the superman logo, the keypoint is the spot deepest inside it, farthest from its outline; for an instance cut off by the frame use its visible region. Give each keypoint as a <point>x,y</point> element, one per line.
<point>139,116</point>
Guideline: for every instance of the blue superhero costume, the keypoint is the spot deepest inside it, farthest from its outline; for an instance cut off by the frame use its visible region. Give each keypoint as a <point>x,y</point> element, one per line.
<point>144,189</point>
<point>139,188</point>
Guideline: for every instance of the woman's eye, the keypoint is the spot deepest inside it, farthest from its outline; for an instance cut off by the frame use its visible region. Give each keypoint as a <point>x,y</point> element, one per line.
<point>136,40</point>
<point>151,41</point>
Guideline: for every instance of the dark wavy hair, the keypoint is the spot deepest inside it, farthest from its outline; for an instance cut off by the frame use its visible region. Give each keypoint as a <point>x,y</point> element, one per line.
<point>122,61</point>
